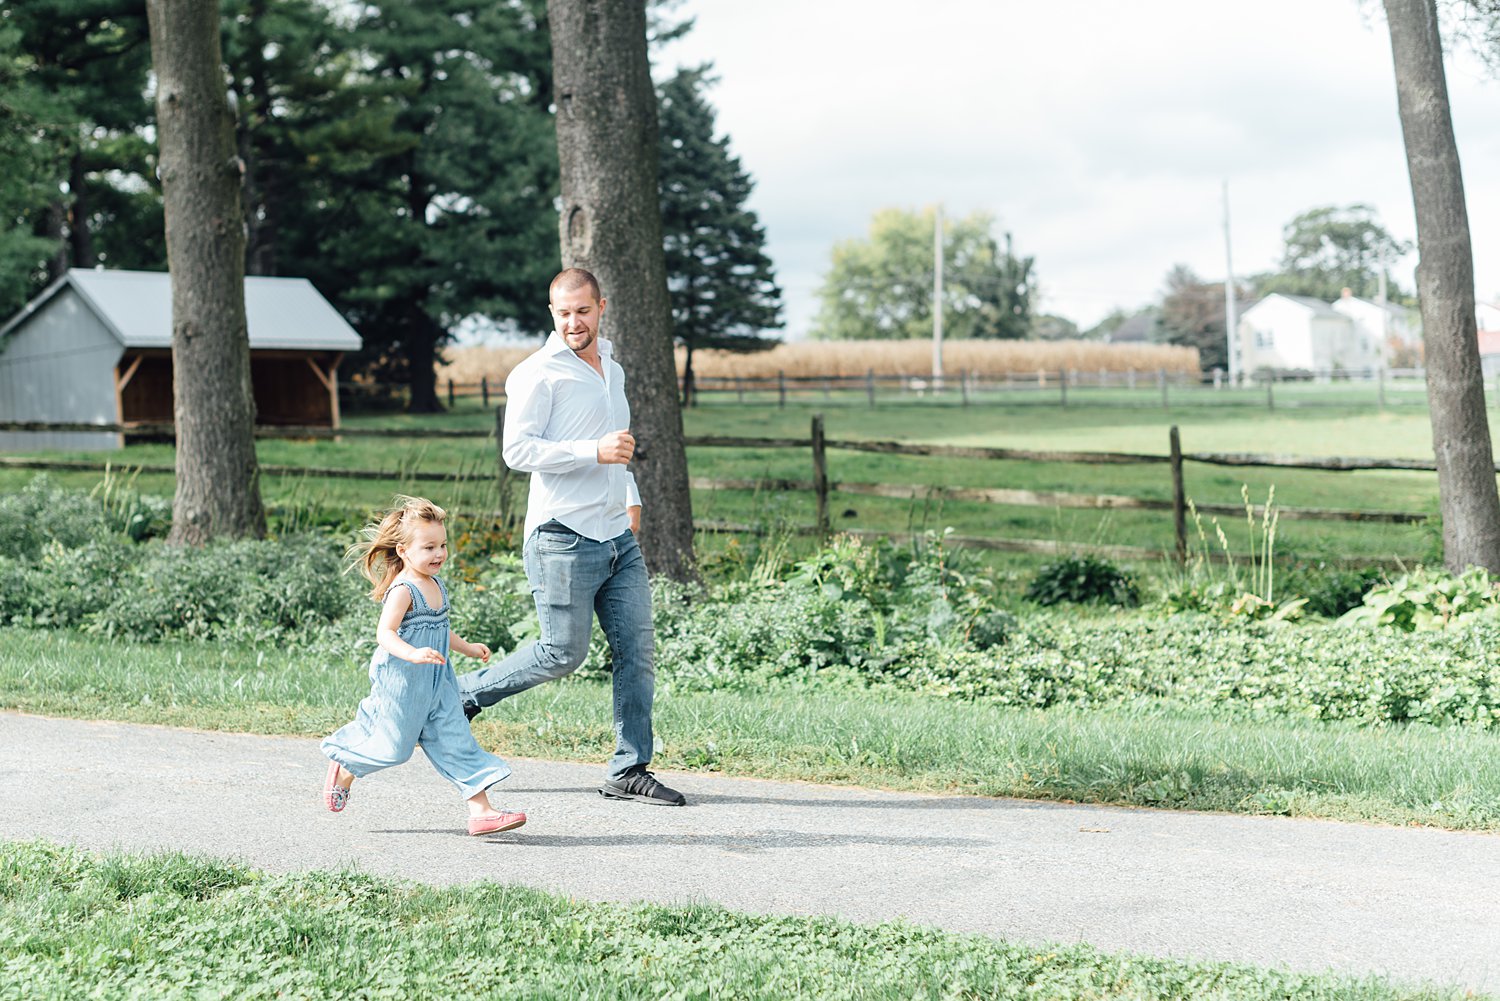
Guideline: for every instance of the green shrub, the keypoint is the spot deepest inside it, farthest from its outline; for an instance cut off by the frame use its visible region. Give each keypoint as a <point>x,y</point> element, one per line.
<point>1082,580</point>
<point>40,513</point>
<point>246,590</point>
<point>60,587</point>
<point>1237,668</point>
<point>1330,590</point>
<point>1425,599</point>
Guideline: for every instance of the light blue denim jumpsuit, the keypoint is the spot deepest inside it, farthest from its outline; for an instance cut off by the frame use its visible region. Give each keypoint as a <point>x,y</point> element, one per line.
<point>411,703</point>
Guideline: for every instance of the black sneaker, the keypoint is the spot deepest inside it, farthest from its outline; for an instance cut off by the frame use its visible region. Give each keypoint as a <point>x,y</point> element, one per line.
<point>471,709</point>
<point>642,787</point>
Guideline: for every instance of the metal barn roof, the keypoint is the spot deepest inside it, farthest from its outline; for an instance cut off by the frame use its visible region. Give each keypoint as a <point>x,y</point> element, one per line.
<point>136,306</point>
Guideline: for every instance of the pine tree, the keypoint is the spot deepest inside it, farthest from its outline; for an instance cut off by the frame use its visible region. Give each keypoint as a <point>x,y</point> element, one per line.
<point>432,196</point>
<point>23,183</point>
<point>723,289</point>
<point>85,63</point>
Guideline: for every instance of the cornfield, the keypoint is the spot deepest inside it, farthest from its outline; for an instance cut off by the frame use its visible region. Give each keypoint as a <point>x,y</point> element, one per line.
<point>983,359</point>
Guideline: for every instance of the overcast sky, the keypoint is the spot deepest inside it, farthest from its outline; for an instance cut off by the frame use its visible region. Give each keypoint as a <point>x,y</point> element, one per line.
<point>1098,133</point>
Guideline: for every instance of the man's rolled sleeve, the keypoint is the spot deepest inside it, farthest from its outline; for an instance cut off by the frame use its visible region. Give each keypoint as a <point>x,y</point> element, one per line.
<point>632,493</point>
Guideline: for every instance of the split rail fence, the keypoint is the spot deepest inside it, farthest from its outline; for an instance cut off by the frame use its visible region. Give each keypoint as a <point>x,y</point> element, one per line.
<point>1381,388</point>
<point>822,486</point>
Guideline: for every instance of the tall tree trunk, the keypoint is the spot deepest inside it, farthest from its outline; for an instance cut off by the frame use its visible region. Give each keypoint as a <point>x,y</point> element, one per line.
<point>80,239</point>
<point>611,225</point>
<point>420,339</point>
<point>218,480</point>
<point>1445,284</point>
<point>55,228</point>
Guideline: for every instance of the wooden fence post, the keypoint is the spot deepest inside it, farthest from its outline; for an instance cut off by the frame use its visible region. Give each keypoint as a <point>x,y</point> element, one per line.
<point>963,385</point>
<point>820,474</point>
<point>870,386</point>
<point>1270,396</point>
<point>1179,497</point>
<point>484,390</point>
<point>1062,386</point>
<point>1380,389</point>
<point>1161,380</point>
<point>450,394</point>
<point>781,387</point>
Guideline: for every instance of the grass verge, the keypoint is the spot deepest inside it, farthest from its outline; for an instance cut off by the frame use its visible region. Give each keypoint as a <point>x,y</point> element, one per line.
<point>168,926</point>
<point>1145,754</point>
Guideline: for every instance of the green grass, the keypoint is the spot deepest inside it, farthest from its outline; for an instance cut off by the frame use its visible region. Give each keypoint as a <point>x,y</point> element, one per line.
<point>168,926</point>
<point>1142,755</point>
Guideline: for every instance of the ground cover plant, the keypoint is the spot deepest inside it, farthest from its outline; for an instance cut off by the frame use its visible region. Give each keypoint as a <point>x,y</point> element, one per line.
<point>169,926</point>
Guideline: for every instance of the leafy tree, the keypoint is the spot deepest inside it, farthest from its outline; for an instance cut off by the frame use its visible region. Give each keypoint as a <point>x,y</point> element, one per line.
<point>880,286</point>
<point>1192,315</point>
<point>723,289</point>
<point>218,481</point>
<point>1105,328</point>
<point>608,153</point>
<point>1329,249</point>
<point>1445,285</point>
<point>1049,327</point>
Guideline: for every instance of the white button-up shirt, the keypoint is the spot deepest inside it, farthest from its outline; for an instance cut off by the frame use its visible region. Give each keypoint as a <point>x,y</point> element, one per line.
<point>557,407</point>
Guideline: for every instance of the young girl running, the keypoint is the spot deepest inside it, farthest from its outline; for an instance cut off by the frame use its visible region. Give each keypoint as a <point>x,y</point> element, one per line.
<point>413,693</point>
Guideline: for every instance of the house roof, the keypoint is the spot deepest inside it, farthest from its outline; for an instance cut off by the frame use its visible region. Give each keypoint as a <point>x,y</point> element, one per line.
<point>1489,342</point>
<point>1316,306</point>
<point>1133,328</point>
<point>136,306</point>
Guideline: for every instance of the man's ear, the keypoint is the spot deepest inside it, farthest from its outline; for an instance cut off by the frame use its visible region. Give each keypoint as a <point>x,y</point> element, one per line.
<point>601,306</point>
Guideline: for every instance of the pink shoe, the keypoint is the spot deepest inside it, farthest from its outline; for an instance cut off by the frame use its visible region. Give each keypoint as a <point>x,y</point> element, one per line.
<point>335,796</point>
<point>494,825</point>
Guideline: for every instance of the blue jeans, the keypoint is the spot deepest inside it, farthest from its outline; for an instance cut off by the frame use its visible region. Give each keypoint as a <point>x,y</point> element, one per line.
<point>573,578</point>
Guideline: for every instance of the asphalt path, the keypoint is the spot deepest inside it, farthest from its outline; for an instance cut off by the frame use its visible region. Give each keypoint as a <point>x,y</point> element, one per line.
<point>1299,894</point>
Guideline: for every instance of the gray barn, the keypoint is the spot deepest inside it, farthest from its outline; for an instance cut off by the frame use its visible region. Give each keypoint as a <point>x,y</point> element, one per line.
<point>96,347</point>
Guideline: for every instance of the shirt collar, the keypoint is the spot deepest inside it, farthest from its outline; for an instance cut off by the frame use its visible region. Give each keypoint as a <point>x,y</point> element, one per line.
<point>556,345</point>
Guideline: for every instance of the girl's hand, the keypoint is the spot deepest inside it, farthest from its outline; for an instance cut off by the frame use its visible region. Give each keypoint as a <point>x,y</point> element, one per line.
<point>480,653</point>
<point>426,655</point>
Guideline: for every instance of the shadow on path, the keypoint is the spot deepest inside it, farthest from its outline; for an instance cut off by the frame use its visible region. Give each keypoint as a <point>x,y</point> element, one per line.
<point>744,842</point>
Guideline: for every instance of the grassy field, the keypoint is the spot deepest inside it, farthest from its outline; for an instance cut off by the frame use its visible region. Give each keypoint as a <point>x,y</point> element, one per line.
<point>167,926</point>
<point>1332,427</point>
<point>1151,755</point>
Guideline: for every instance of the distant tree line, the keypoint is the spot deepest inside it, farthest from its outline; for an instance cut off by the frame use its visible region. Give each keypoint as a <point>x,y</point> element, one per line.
<point>399,154</point>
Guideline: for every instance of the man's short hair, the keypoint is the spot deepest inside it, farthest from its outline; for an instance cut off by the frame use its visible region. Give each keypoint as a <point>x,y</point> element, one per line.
<point>569,279</point>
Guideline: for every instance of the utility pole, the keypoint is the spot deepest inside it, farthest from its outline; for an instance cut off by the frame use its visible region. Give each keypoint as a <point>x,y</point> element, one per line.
<point>937,299</point>
<point>1385,320</point>
<point>1231,321</point>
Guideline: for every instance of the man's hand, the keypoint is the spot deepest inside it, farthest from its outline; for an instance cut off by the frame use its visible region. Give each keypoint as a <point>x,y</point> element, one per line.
<point>634,511</point>
<point>616,448</point>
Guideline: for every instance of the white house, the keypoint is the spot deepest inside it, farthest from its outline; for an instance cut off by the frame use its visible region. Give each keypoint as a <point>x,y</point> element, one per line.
<point>1390,328</point>
<point>96,347</point>
<point>1300,333</point>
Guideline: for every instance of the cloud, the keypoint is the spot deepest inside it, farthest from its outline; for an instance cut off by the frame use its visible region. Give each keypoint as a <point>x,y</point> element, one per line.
<point>1098,133</point>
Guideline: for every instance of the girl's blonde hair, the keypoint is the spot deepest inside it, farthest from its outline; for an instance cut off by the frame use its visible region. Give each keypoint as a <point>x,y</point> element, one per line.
<point>375,553</point>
